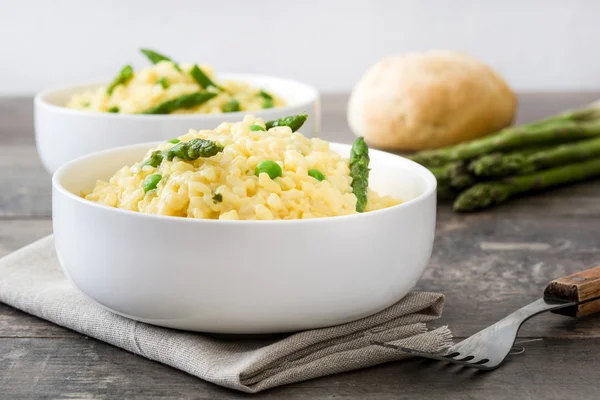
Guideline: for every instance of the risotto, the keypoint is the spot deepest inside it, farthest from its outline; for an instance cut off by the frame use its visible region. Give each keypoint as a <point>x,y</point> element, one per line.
<point>246,171</point>
<point>170,88</point>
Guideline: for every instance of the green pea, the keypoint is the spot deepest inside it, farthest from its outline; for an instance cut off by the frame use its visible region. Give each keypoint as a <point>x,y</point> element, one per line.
<point>271,168</point>
<point>151,182</point>
<point>315,173</point>
<point>255,128</point>
<point>163,82</point>
<point>174,141</point>
<point>113,110</point>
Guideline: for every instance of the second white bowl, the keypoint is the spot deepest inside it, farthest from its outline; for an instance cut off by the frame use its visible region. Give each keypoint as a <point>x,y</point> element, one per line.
<point>63,134</point>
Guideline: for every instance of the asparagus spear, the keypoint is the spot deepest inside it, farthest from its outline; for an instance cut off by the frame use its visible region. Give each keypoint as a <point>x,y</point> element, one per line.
<point>484,195</point>
<point>294,122</point>
<point>265,95</point>
<point>155,57</point>
<point>499,165</point>
<point>124,76</point>
<point>445,192</point>
<point>462,181</point>
<point>183,101</point>
<point>454,175</point>
<point>588,113</point>
<point>267,99</point>
<point>359,171</point>
<point>490,160</point>
<point>154,160</point>
<point>193,150</point>
<point>510,138</point>
<point>202,79</point>
<point>188,151</point>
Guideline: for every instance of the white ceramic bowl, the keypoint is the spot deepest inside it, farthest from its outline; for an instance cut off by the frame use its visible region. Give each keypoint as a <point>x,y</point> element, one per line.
<point>243,276</point>
<point>63,134</point>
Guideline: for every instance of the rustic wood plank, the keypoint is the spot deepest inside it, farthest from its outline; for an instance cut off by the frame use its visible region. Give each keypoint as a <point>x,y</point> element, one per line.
<point>489,266</point>
<point>26,186</point>
<point>16,121</point>
<point>87,369</point>
<point>17,324</point>
<point>15,234</point>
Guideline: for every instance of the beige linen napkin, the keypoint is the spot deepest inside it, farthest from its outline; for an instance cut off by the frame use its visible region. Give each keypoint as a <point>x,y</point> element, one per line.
<point>31,280</point>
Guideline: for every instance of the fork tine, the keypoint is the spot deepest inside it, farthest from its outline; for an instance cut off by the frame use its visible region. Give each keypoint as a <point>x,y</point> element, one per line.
<point>479,363</point>
<point>488,348</point>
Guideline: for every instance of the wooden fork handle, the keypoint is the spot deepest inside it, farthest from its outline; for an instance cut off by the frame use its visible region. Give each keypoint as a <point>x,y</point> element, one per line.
<point>580,287</point>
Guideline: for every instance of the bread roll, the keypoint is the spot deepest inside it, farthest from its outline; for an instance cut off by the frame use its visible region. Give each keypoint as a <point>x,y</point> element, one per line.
<point>429,100</point>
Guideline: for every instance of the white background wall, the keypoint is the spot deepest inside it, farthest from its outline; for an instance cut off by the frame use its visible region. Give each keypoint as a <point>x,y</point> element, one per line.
<point>536,44</point>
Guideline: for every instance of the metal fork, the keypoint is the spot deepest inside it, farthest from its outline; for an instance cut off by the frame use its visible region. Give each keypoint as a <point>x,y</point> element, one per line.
<point>574,295</point>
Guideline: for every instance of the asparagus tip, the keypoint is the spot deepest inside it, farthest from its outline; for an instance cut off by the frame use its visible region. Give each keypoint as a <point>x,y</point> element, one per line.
<point>481,196</point>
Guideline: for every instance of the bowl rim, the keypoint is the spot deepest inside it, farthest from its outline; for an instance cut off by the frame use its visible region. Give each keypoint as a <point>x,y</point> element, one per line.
<point>40,100</point>
<point>421,171</point>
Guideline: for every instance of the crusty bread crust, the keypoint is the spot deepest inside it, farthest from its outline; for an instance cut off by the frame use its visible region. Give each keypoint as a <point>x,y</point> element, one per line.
<point>429,100</point>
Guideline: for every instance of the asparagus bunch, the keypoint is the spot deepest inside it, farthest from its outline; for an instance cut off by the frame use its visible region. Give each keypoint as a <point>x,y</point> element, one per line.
<point>485,172</point>
<point>548,131</point>
<point>454,175</point>
<point>484,195</point>
<point>452,178</point>
<point>499,165</point>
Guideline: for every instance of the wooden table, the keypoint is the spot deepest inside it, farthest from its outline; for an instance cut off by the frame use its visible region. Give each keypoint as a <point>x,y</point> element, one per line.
<point>487,264</point>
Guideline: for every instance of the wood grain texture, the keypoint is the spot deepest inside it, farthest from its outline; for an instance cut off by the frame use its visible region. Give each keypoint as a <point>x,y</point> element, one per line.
<point>16,122</point>
<point>580,287</point>
<point>488,265</point>
<point>15,234</point>
<point>88,369</point>
<point>26,188</point>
